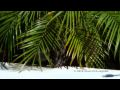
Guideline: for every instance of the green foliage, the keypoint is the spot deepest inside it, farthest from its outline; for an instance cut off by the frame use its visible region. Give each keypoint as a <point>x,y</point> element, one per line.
<point>88,35</point>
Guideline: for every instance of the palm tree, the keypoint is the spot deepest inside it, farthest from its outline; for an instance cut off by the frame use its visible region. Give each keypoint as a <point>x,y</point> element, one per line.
<point>59,37</point>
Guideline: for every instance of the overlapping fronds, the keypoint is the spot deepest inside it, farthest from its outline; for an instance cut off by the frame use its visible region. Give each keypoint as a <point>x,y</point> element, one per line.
<point>87,35</point>
<point>39,39</point>
<point>12,24</point>
<point>109,21</point>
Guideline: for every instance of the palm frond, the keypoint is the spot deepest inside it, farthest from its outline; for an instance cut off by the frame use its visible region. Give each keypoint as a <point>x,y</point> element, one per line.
<point>85,43</point>
<point>39,39</point>
<point>110,22</point>
<point>12,24</point>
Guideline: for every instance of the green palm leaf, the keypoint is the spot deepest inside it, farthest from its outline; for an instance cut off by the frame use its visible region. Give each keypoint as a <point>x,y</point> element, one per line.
<point>38,39</point>
<point>13,23</point>
<point>111,28</point>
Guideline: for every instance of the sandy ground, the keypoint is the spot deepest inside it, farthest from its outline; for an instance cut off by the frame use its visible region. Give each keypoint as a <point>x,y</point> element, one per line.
<point>15,71</point>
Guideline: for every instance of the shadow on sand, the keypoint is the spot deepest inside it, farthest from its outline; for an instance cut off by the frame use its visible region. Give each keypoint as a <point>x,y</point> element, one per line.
<point>111,75</point>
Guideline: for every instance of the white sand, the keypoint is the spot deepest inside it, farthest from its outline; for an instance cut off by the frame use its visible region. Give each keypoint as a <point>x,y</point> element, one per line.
<point>29,72</point>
